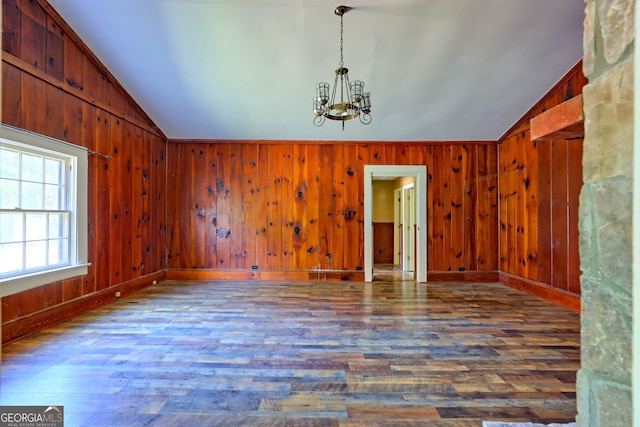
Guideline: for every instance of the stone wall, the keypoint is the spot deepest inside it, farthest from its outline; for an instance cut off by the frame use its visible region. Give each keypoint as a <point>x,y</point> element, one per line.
<point>604,379</point>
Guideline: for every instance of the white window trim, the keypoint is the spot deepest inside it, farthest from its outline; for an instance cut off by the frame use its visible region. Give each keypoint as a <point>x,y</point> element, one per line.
<point>79,262</point>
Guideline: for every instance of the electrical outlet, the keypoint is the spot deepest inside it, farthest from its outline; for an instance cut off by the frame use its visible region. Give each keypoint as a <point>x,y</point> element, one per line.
<point>118,294</point>
<point>155,282</point>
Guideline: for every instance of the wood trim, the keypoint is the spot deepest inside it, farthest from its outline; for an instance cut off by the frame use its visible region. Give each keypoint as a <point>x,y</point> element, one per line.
<point>550,93</point>
<point>227,274</point>
<point>541,290</point>
<point>150,125</point>
<point>35,72</point>
<point>327,142</point>
<point>564,121</point>
<point>37,321</point>
<point>462,276</point>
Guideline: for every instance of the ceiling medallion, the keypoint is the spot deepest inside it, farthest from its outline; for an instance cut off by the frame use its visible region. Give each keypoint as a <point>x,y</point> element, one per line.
<point>352,102</point>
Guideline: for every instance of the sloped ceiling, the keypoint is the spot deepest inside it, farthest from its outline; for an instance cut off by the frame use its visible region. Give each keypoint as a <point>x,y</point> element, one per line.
<point>247,69</point>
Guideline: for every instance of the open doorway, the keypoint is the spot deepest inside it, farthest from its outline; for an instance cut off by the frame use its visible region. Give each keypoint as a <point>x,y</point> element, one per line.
<point>412,214</point>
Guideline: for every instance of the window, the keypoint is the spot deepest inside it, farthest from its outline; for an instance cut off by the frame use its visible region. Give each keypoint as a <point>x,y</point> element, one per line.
<point>43,210</point>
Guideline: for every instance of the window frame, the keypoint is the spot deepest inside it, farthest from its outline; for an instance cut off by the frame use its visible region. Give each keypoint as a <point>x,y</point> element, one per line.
<point>77,187</point>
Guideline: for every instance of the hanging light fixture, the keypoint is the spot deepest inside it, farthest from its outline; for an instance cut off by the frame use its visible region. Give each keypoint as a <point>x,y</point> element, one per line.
<point>352,101</point>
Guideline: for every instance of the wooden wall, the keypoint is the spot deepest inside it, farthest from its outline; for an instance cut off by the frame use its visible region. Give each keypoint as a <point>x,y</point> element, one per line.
<point>54,86</point>
<point>298,206</point>
<point>383,234</point>
<point>540,186</point>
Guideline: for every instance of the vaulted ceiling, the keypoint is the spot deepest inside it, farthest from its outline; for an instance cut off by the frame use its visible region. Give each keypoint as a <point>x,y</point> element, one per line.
<point>247,69</point>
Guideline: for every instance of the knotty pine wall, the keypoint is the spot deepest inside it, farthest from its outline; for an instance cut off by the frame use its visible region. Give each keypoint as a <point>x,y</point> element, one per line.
<point>54,86</point>
<point>299,207</point>
<point>540,185</point>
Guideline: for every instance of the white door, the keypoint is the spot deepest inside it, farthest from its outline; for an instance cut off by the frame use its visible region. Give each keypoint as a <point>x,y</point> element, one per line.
<point>409,227</point>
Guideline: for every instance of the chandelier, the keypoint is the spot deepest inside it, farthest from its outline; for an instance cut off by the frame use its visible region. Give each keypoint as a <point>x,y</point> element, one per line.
<point>352,101</point>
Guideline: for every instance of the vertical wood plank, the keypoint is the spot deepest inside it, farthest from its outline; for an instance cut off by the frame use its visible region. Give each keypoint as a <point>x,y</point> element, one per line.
<point>313,207</point>
<point>470,206</point>
<point>274,214</point>
<point>32,94</point>
<point>237,256</point>
<point>286,211</point>
<point>198,205</point>
<point>55,50</point>
<point>223,226</point>
<point>436,257</point>
<point>559,226</point>
<point>211,183</point>
<point>336,248</point>
<point>447,206</point>
<point>162,204</point>
<point>138,207</point>
<point>54,114</point>
<point>126,208</point>
<point>361,160</point>
<point>458,164</point>
<point>492,194</point>
<point>11,95</point>
<point>103,145</point>
<point>146,203</point>
<point>11,28</point>
<point>300,193</point>
<point>262,221</point>
<point>114,236</point>
<point>352,211</point>
<point>155,200</point>
<point>531,225</point>
<point>250,203</point>
<point>174,162</point>
<point>402,155</point>
<point>544,213</point>
<point>33,34</point>
<point>326,208</point>
<point>75,74</point>
<point>522,245</point>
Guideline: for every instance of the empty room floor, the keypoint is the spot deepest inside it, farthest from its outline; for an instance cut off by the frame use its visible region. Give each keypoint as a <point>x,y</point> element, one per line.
<point>304,354</point>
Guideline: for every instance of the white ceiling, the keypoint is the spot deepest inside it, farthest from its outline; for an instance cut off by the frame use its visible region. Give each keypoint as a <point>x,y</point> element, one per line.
<point>247,69</point>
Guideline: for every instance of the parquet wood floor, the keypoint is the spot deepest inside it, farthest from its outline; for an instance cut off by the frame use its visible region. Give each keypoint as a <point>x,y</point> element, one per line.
<point>304,354</point>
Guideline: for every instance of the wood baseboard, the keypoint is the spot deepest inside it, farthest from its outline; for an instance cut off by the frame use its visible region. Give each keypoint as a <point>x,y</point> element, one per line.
<point>37,321</point>
<point>462,276</point>
<point>305,275</point>
<point>541,290</point>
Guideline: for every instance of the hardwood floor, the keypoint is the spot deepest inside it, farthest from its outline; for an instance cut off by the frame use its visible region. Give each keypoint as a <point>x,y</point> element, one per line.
<point>304,354</point>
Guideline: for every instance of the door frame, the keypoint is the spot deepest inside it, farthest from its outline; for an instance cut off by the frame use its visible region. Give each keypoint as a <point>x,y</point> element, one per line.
<point>372,172</point>
<point>408,220</point>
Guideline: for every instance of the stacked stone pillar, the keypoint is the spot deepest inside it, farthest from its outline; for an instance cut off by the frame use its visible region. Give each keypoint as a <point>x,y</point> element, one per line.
<point>604,379</point>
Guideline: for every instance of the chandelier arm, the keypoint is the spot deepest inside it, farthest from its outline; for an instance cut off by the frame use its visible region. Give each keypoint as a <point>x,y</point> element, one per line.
<point>348,89</point>
<point>333,93</point>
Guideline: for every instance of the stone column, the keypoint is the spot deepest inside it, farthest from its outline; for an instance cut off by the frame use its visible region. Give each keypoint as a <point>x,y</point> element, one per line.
<point>604,379</point>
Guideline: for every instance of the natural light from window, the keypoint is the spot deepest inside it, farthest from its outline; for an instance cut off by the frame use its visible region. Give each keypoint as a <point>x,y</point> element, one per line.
<point>42,210</point>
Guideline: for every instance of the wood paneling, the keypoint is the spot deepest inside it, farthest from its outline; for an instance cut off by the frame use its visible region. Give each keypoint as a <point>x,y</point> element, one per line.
<point>51,85</point>
<point>383,242</point>
<point>540,183</point>
<point>308,204</point>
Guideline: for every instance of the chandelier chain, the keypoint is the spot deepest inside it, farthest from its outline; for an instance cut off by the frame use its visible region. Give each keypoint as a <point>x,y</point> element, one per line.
<point>341,41</point>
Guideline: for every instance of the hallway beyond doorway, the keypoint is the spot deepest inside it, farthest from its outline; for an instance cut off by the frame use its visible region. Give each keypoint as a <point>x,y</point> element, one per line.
<point>391,273</point>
